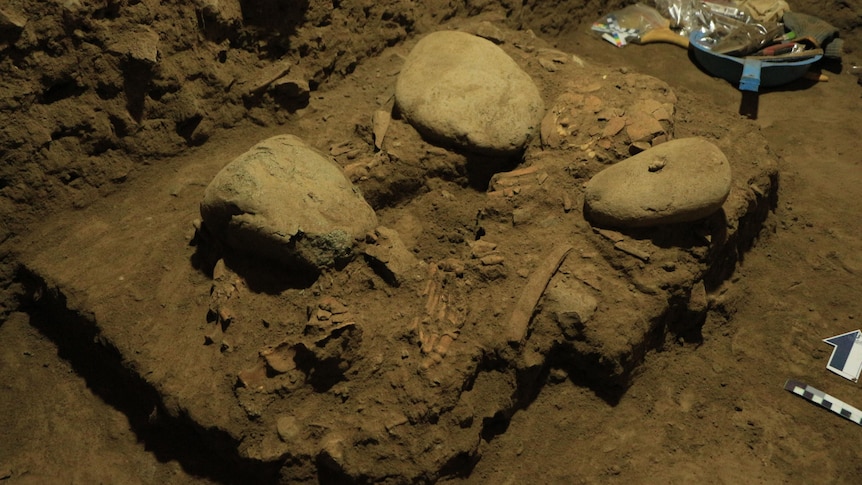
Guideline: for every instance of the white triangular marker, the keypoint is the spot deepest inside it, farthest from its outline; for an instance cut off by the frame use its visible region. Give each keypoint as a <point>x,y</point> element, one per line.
<point>846,358</point>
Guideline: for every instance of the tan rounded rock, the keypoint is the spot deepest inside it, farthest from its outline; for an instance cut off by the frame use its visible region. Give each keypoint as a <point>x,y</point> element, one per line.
<point>464,90</point>
<point>678,181</point>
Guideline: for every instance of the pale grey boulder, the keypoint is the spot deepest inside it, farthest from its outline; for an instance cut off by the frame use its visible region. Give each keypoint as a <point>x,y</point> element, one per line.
<point>285,201</point>
<point>678,181</point>
<point>460,89</point>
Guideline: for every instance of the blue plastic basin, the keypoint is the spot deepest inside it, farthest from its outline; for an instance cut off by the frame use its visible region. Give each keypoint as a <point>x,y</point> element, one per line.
<point>751,74</point>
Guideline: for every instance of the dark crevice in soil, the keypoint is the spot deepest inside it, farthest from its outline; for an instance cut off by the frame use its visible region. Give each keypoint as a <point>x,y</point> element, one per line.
<point>329,473</point>
<point>460,465</point>
<point>201,452</point>
<point>494,426</point>
<point>136,82</point>
<point>186,129</point>
<point>734,249</point>
<point>62,90</point>
<point>262,275</point>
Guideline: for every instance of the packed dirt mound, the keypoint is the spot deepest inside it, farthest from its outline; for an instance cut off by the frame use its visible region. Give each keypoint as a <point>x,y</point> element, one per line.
<point>397,364</point>
<point>407,361</point>
<point>96,91</point>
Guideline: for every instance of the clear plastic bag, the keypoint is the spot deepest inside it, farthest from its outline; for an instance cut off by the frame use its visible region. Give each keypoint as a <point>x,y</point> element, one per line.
<point>764,10</point>
<point>683,14</point>
<point>628,24</point>
<point>747,38</point>
<point>731,30</point>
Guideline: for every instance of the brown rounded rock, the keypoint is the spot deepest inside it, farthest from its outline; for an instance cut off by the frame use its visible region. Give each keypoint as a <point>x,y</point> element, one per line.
<point>285,201</point>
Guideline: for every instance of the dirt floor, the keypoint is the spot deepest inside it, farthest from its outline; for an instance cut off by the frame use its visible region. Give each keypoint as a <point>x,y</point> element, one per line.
<point>120,112</point>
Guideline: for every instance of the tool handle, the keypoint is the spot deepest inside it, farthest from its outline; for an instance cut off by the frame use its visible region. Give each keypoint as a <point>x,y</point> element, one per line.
<point>664,35</point>
<point>776,49</point>
<point>793,56</point>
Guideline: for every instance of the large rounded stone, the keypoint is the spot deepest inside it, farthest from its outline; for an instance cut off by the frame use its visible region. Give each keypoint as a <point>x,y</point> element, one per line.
<point>285,201</point>
<point>464,90</point>
<point>678,181</point>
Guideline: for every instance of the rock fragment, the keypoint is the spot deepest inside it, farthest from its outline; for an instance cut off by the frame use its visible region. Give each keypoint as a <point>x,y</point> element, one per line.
<point>223,12</point>
<point>552,59</point>
<point>571,304</point>
<point>390,258</point>
<point>380,121</point>
<point>140,45</point>
<point>642,127</point>
<point>487,30</point>
<point>11,23</point>
<point>288,428</point>
<point>482,248</point>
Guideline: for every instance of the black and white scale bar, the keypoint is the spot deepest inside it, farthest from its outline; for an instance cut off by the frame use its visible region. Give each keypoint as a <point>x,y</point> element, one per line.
<point>831,403</point>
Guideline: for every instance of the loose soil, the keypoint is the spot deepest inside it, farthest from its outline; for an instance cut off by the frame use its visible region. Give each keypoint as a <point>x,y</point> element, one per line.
<point>129,139</point>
